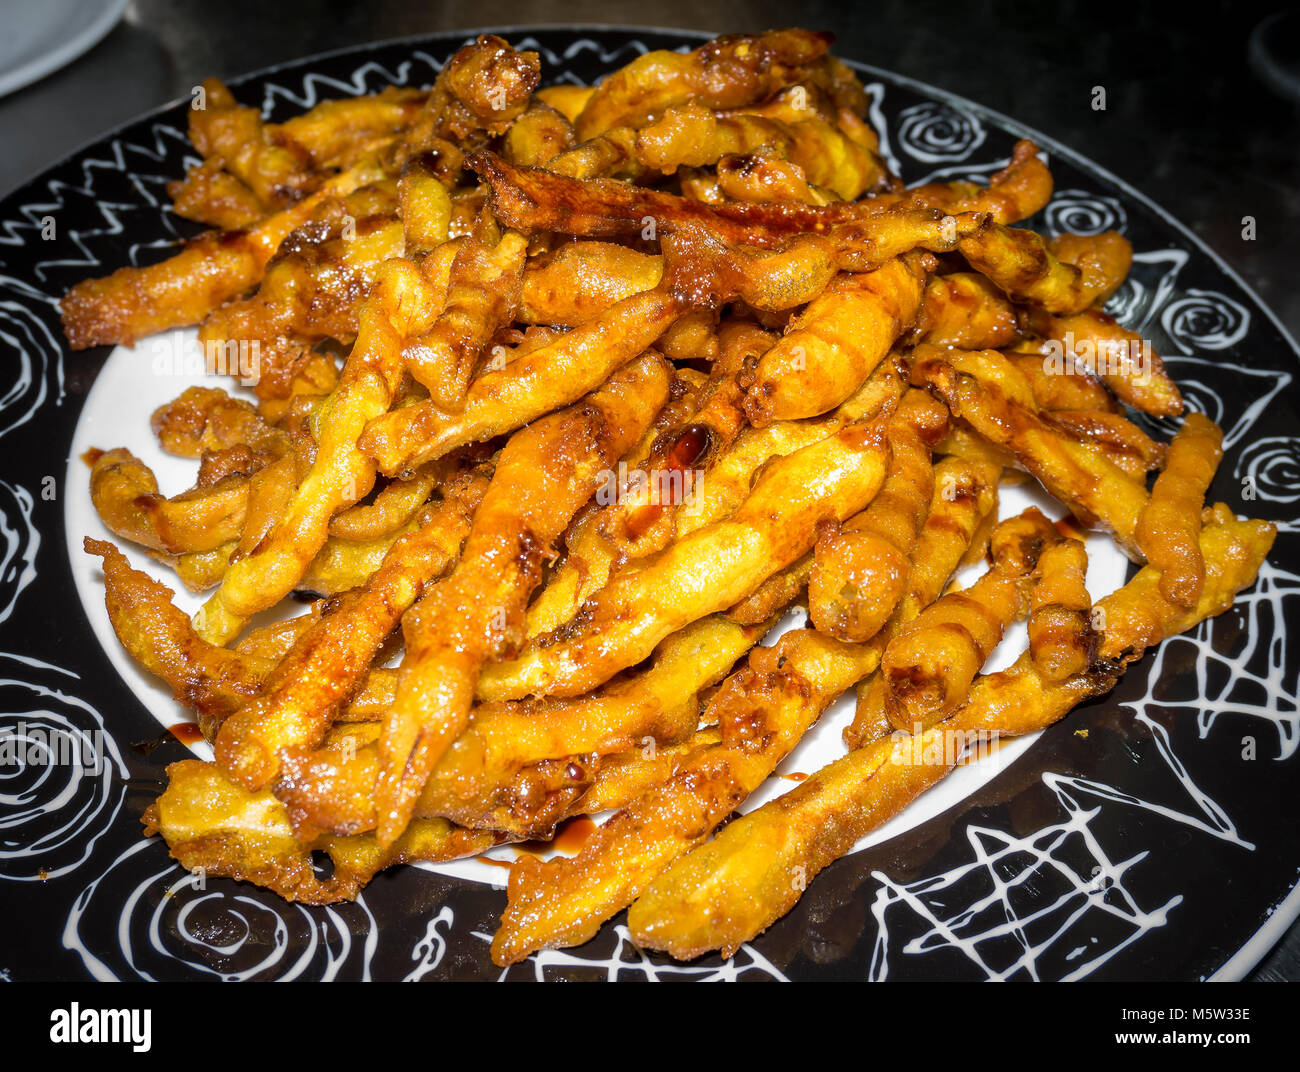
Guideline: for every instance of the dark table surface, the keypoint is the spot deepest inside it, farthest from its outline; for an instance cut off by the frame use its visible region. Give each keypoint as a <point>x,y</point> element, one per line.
<point>1188,121</point>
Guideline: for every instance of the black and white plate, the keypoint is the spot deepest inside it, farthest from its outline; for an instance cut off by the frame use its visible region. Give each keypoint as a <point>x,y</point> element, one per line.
<point>1155,833</point>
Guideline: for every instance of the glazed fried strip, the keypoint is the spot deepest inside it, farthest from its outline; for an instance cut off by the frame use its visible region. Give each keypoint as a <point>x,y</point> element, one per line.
<point>278,171</point>
<point>707,571</point>
<point>125,495</point>
<point>543,380</point>
<point>1015,193</point>
<point>213,826</point>
<point>340,473</point>
<point>332,789</point>
<point>330,660</point>
<point>964,500</point>
<point>830,348</point>
<point>1061,634</point>
<point>729,72</point>
<point>860,572</point>
<point>928,667</point>
<point>210,270</point>
<point>581,280</point>
<point>994,398</point>
<point>733,888</point>
<point>1168,529</point>
<point>1020,263</point>
<point>544,476</point>
<point>692,135</point>
<point>762,710</point>
<point>965,310</point>
<point>481,298</point>
<point>532,200</point>
<point>1120,358</point>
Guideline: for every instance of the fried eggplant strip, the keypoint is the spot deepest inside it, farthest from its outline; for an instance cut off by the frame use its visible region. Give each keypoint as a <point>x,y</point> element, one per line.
<point>704,572</point>
<point>726,892</point>
<point>213,826</point>
<point>340,474</point>
<point>860,571</point>
<point>544,476</point>
<point>831,347</point>
<point>209,270</point>
<point>1061,634</point>
<point>928,667</point>
<point>538,383</point>
<point>330,660</point>
<point>762,710</point>
<point>1168,529</point>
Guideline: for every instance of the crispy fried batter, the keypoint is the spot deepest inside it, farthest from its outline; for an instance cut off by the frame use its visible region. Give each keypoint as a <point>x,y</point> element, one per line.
<point>1169,527</point>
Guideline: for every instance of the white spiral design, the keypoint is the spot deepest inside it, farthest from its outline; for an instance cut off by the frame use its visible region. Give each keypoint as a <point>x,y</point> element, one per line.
<point>1081,212</point>
<point>144,919</point>
<point>19,542</point>
<point>61,780</point>
<point>1270,469</point>
<point>933,132</point>
<point>33,356</point>
<point>1205,320</point>
<point>1128,302</point>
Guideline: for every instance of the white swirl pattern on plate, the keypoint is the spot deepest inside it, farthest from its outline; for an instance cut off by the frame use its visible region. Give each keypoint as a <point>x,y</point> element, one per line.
<point>61,779</point>
<point>168,919</point>
<point>1082,212</point>
<point>1205,320</point>
<point>934,132</point>
<point>19,542</point>
<point>1270,468</point>
<point>927,134</point>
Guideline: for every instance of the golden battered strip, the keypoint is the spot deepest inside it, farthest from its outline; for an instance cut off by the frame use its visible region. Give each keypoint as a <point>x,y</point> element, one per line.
<point>1168,529</point>
<point>534,200</point>
<point>830,348</point>
<point>1019,262</point>
<point>706,571</point>
<point>965,310</point>
<point>928,667</point>
<point>762,710</point>
<point>1061,634</point>
<point>728,72</point>
<point>860,572</point>
<point>340,473</point>
<point>536,384</point>
<point>330,660</point>
<point>1123,360</point>
<point>990,394</point>
<point>726,892</point>
<point>482,295</point>
<point>125,494</point>
<point>209,270</point>
<point>543,477</point>
<point>963,503</point>
<point>691,135</point>
<point>213,826</point>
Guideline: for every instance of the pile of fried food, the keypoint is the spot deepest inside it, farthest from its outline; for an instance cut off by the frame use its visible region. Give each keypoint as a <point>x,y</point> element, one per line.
<point>476,310</point>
